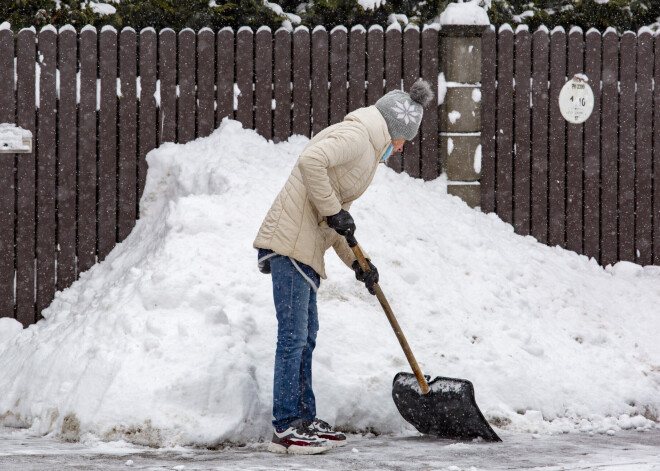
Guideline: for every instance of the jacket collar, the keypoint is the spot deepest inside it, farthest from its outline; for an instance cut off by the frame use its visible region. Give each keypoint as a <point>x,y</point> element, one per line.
<point>376,126</point>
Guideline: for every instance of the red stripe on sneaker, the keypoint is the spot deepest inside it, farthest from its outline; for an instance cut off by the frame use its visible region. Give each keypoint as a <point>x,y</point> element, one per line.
<point>330,437</point>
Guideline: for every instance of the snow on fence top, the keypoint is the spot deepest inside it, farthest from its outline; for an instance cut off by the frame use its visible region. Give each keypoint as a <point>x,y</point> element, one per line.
<point>395,22</point>
<point>14,140</point>
<point>341,28</point>
<point>48,28</point>
<point>464,14</point>
<point>67,28</point>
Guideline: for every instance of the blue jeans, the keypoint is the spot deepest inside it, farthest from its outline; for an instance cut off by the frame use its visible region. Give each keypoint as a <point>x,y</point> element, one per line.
<point>297,325</point>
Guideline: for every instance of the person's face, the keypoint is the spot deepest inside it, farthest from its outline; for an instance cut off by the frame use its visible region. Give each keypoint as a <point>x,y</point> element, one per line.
<point>397,145</point>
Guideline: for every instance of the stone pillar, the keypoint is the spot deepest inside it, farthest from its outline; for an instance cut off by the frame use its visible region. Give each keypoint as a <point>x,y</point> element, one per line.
<point>460,113</point>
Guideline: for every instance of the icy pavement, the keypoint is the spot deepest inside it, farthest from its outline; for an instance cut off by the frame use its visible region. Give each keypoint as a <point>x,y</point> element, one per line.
<point>622,451</point>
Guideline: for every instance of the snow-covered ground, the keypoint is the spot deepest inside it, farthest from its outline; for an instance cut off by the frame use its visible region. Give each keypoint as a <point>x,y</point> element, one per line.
<point>624,451</point>
<point>170,341</point>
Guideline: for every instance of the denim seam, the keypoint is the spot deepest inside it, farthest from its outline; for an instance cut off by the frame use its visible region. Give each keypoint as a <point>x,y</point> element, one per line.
<point>309,280</point>
<point>266,257</point>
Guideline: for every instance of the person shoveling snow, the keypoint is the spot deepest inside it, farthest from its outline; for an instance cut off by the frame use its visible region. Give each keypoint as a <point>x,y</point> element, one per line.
<point>309,215</point>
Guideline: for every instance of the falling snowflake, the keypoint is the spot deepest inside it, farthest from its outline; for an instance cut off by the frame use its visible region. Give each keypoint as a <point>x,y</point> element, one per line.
<point>406,111</point>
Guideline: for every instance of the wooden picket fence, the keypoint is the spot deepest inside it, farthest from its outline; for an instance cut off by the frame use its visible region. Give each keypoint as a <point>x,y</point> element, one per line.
<point>594,187</point>
<point>98,102</point>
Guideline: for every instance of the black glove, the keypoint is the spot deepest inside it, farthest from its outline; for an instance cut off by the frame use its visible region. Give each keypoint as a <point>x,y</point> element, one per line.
<point>342,222</point>
<point>369,278</point>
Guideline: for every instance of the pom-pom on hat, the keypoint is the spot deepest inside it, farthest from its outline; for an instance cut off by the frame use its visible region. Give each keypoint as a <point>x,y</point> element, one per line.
<point>403,111</point>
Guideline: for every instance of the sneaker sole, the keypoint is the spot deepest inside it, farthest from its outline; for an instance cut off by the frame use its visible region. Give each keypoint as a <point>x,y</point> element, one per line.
<point>297,450</point>
<point>337,443</point>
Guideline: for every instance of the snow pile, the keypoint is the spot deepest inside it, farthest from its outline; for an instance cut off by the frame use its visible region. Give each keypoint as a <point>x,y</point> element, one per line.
<point>171,339</point>
<point>470,13</point>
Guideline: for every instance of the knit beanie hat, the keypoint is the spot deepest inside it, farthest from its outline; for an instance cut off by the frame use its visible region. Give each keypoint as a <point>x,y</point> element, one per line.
<point>403,111</point>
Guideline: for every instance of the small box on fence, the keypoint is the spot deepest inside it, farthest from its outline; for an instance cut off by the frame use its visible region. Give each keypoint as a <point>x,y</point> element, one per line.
<point>14,140</point>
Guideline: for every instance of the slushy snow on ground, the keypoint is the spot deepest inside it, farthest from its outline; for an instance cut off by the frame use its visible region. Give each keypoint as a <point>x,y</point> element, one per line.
<point>171,339</point>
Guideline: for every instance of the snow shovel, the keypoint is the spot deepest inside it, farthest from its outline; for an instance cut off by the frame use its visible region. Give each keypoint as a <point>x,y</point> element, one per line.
<point>444,407</point>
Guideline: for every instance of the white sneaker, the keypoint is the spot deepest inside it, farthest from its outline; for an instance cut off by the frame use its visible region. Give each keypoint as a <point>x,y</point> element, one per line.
<point>325,430</point>
<point>298,439</point>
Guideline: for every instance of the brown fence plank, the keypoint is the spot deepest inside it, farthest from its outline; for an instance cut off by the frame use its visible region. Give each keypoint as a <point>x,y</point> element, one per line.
<point>46,168</point>
<point>609,154</point>
<point>522,134</point>
<point>66,160</point>
<point>656,154</point>
<point>7,98</point>
<point>127,164</point>
<point>393,74</point>
<point>338,73</point>
<point>244,76</point>
<point>167,78</point>
<point>87,154</point>
<point>411,65</point>
<point>320,74</point>
<point>644,153</point>
<point>25,209</point>
<point>263,79</point>
<point>430,165</point>
<point>107,166</point>
<point>557,159</point>
<point>592,137</point>
<point>187,97</point>
<point>357,68</point>
<point>282,85</point>
<point>574,153</point>
<point>628,53</point>
<point>375,64</point>
<point>147,105</point>
<point>504,185</point>
<point>7,186</point>
<point>301,82</point>
<point>225,80</point>
<point>488,118</point>
<point>539,156</point>
<point>205,82</point>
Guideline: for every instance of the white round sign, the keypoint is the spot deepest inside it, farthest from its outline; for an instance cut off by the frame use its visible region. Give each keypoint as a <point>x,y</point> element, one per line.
<point>576,100</point>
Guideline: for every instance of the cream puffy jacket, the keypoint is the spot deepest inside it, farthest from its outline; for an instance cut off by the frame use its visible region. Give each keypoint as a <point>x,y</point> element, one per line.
<point>333,170</point>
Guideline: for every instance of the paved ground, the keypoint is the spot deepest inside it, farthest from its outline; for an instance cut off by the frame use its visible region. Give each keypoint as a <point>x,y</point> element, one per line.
<point>623,451</point>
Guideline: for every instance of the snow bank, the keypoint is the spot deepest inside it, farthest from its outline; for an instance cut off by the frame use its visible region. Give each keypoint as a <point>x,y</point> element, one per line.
<point>171,339</point>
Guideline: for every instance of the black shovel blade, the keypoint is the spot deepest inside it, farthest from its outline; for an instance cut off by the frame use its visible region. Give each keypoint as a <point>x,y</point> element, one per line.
<point>448,410</point>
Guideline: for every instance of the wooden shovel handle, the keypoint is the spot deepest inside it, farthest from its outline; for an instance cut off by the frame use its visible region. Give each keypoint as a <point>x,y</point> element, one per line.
<point>393,322</point>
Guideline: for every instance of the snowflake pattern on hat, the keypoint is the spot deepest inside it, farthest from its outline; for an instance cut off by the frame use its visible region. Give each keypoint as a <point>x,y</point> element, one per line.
<point>406,112</point>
